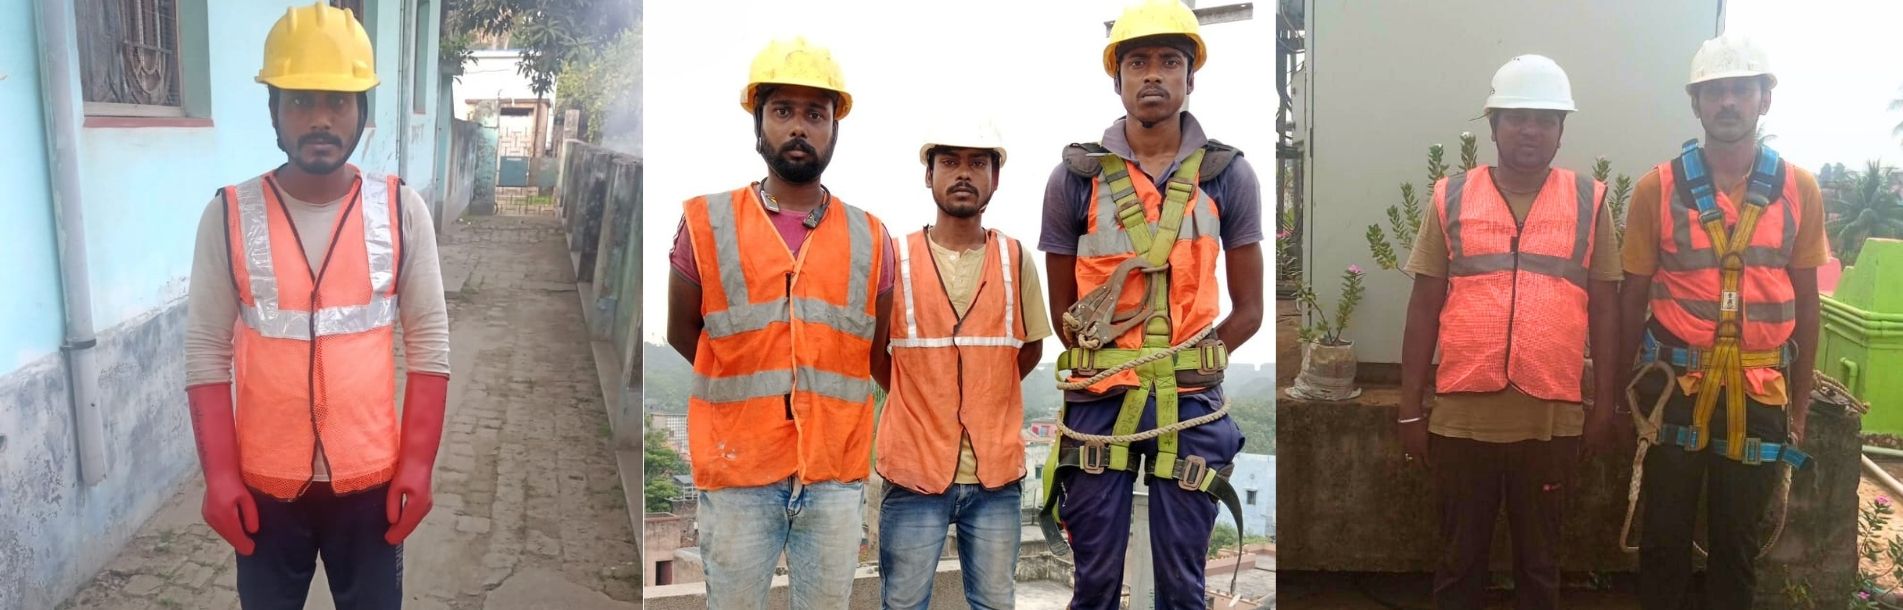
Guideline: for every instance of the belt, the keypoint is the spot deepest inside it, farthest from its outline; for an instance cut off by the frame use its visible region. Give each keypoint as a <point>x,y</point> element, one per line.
<point>1211,358</point>
<point>1691,358</point>
<point>1755,451</point>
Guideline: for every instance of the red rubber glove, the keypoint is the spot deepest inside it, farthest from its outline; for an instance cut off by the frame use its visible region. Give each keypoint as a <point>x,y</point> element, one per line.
<point>229,508</point>
<point>424,398</point>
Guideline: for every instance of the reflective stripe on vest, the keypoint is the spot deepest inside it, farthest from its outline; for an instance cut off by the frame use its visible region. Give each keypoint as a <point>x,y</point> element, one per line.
<point>954,377</point>
<point>782,374</point>
<point>268,318</point>
<point>1685,294</point>
<point>1516,304</point>
<point>313,357</point>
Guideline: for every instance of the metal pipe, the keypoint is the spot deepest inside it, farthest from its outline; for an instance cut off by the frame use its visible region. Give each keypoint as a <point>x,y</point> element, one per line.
<point>405,36</point>
<point>53,20</point>
<point>1882,451</point>
<point>1876,472</point>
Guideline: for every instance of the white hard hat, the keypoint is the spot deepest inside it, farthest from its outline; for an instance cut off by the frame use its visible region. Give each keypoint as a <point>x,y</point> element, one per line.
<point>1531,81</point>
<point>967,133</point>
<point>1729,56</point>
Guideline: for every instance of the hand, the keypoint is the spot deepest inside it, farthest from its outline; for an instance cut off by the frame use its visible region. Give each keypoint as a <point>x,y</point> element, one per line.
<point>407,502</point>
<point>1414,440</point>
<point>229,508</point>
<point>231,511</point>
<point>1798,407</point>
<point>1601,428</point>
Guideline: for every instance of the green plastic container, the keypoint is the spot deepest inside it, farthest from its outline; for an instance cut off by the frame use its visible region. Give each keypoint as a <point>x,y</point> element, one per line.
<point>1862,339</point>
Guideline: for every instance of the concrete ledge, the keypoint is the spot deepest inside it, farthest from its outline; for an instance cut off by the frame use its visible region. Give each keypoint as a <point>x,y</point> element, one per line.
<point>1348,502</point>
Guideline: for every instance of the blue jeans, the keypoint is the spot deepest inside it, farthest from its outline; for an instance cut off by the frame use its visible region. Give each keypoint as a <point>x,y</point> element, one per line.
<point>744,531</point>
<point>347,531</point>
<point>912,536</point>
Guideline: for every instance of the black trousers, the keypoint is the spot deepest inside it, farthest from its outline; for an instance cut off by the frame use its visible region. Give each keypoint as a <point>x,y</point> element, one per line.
<point>1475,478</point>
<point>1736,497</point>
<point>347,531</point>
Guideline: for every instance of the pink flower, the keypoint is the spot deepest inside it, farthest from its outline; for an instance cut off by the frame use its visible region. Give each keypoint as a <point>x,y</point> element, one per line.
<point>1285,234</point>
<point>1355,269</point>
<point>1883,500</point>
<point>1863,595</point>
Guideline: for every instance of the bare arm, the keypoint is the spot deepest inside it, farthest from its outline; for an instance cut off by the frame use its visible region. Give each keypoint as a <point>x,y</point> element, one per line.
<point>1028,355</point>
<point>1603,307</point>
<point>1804,281</point>
<point>882,360</point>
<point>1063,275</point>
<point>1634,297</point>
<point>684,320</point>
<point>1419,340</point>
<point>1245,292</point>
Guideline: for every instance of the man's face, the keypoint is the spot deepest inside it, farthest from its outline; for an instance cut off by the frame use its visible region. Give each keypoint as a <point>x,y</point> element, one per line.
<point>1527,139</point>
<point>796,132</point>
<point>317,130</point>
<point>1154,81</point>
<point>962,180</point>
<point>1729,107</point>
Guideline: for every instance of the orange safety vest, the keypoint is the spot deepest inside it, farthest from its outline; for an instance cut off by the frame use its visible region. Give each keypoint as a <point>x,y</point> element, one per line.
<point>313,347</point>
<point>1686,290</point>
<point>782,371</point>
<point>953,376</point>
<point>1516,310</point>
<point>1195,299</point>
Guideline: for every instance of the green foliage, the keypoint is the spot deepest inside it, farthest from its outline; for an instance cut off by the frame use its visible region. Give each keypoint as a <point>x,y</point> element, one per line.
<point>1863,206</point>
<point>1404,220</point>
<point>550,33</point>
<point>659,465</point>
<point>1618,194</point>
<point>1874,550</point>
<point>604,83</point>
<point>1254,413</point>
<point>1317,327</point>
<point>1223,537</point>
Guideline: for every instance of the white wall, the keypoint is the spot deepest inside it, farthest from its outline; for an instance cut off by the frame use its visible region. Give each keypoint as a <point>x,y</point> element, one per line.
<point>1387,78</point>
<point>489,75</point>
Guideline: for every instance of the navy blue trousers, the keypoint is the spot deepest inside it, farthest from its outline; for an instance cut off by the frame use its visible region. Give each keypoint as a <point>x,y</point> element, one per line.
<point>365,572</point>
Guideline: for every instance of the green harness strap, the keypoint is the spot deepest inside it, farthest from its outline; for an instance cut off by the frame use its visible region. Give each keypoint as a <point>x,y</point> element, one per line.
<point>1157,377</point>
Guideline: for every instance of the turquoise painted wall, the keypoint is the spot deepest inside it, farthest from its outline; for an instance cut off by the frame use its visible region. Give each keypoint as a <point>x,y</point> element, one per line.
<point>30,303</point>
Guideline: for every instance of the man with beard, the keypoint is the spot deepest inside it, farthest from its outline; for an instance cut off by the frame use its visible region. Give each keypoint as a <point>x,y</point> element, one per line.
<point>1513,266</point>
<point>298,280</point>
<point>1133,229</point>
<point>778,299</point>
<point>1723,245</point>
<point>970,328</point>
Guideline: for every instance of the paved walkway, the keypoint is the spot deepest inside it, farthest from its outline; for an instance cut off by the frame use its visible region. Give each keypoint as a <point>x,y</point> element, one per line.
<point>529,511</point>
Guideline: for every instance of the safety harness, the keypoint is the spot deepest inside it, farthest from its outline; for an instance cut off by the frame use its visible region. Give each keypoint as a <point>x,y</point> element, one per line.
<point>1094,324</point>
<point>1723,365</point>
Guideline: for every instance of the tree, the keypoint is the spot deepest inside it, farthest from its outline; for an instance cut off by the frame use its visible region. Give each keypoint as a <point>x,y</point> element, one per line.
<point>1222,538</point>
<point>1868,208</point>
<point>660,465</point>
<point>605,84</point>
<point>550,33</point>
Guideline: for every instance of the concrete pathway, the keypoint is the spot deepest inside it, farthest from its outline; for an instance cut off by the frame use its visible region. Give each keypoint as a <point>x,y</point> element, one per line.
<point>530,511</point>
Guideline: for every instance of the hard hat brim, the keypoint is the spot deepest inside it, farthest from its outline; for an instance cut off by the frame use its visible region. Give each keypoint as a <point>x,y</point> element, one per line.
<point>747,94</point>
<point>1731,74</point>
<point>924,152</point>
<point>320,82</point>
<point>1110,51</point>
<point>1527,105</point>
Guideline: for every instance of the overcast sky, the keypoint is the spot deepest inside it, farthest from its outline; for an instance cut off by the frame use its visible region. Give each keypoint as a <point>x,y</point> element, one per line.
<point>1036,67</point>
<point>1837,70</point>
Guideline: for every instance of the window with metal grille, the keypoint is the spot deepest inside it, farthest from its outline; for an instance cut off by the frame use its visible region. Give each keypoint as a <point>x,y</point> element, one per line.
<point>129,57</point>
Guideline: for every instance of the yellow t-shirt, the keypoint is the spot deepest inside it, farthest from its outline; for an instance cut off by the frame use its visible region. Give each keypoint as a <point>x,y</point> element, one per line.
<point>1641,253</point>
<point>1509,415</point>
<point>960,271</point>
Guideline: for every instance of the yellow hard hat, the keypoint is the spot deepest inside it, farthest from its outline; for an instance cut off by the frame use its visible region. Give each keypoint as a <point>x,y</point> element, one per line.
<point>318,48</point>
<point>1154,18</point>
<point>796,62</point>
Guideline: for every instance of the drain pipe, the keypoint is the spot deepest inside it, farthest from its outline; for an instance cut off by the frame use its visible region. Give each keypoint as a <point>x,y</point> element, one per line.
<point>54,22</point>
<point>406,48</point>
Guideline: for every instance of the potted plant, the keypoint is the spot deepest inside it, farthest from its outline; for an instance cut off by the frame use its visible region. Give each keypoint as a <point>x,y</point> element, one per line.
<point>1328,358</point>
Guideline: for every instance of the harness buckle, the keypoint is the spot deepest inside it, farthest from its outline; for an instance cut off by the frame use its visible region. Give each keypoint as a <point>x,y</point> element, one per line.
<point>1753,452</point>
<point>1093,456</point>
<point>1087,368</point>
<point>1189,476</point>
<point>1729,302</point>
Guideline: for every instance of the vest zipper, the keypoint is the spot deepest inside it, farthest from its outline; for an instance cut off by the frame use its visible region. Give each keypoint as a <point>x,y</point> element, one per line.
<point>791,323</point>
<point>317,281</point>
<point>1513,298</point>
